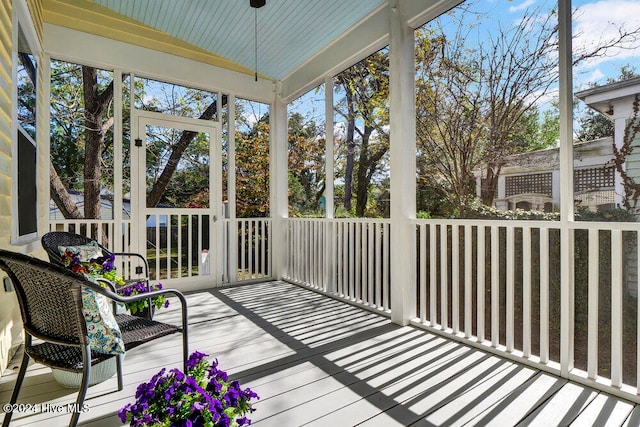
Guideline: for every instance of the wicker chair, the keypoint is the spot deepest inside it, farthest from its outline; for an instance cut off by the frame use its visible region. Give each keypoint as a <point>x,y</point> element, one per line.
<point>51,307</point>
<point>52,240</point>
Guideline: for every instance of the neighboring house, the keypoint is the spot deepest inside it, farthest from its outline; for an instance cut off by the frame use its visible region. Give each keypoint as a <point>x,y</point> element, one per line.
<point>106,209</point>
<point>531,181</point>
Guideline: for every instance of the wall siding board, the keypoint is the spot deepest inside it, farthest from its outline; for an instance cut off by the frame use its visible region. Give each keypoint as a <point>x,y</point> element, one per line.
<point>7,301</point>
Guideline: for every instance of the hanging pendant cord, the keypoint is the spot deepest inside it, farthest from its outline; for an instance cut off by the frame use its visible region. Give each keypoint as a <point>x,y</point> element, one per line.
<point>255,40</point>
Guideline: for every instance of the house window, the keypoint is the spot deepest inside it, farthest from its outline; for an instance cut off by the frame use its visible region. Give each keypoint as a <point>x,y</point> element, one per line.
<point>24,154</point>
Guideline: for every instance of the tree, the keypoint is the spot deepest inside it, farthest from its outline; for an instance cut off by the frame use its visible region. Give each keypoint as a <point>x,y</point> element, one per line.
<point>478,99</point>
<point>306,164</point>
<point>252,177</point>
<point>82,140</point>
<point>365,89</point>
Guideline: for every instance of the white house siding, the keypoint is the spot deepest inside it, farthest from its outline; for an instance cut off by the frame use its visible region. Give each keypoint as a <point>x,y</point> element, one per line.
<point>633,160</point>
<point>11,335</point>
<point>7,300</point>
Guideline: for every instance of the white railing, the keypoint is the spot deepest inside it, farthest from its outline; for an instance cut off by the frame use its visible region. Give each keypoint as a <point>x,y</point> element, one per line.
<point>248,254</point>
<point>105,232</point>
<point>178,244</point>
<point>347,258</point>
<point>497,285</point>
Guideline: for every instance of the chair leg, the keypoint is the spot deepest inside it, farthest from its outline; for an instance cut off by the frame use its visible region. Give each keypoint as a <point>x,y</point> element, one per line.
<point>16,388</point>
<point>119,371</point>
<point>84,385</point>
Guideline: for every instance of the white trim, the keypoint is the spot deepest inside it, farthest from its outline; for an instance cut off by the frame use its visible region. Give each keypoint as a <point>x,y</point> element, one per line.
<point>139,210</point>
<point>21,19</point>
<point>88,49</point>
<point>278,186</point>
<point>231,189</point>
<point>117,155</point>
<point>369,36</point>
<point>402,119</point>
<point>566,189</point>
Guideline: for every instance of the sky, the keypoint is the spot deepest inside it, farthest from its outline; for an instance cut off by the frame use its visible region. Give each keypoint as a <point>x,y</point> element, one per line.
<point>599,19</point>
<point>594,21</point>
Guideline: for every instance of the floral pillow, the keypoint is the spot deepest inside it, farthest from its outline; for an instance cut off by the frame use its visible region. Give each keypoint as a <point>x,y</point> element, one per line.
<point>85,253</point>
<point>104,333</point>
<point>103,330</point>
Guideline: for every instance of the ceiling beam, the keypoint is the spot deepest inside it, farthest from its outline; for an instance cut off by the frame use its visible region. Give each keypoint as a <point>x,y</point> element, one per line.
<point>370,35</point>
<point>88,49</point>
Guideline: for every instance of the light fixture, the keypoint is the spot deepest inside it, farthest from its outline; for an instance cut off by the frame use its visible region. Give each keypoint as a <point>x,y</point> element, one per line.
<point>256,4</point>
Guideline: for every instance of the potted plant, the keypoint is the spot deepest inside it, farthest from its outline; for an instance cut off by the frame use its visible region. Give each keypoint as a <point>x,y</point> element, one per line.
<point>141,308</point>
<point>102,267</point>
<point>201,396</point>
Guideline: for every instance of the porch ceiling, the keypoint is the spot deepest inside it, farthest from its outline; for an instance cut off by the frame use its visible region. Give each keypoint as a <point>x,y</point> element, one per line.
<point>303,39</point>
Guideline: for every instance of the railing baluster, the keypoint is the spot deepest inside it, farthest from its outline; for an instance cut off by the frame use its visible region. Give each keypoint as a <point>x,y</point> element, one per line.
<point>378,297</point>
<point>169,229</point>
<point>243,249</point>
<point>356,266</point>
<point>592,334</point>
<point>385,266</point>
<point>526,291</point>
<point>481,283</point>
<point>444,282</point>
<point>468,300</point>
<point>544,295</point>
<point>364,284</point>
<point>423,272</point>
<point>179,245</point>
<point>495,294</point>
<point>157,232</point>
<point>433,270</point>
<point>616,308</point>
<point>510,288</point>
<point>455,278</point>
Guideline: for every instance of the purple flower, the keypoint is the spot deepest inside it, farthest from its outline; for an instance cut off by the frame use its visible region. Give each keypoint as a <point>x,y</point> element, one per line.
<point>244,421</point>
<point>195,358</point>
<point>191,399</point>
<point>122,413</point>
<point>198,406</point>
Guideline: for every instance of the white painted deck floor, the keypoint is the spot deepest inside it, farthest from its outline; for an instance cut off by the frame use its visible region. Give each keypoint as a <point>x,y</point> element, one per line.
<point>317,361</point>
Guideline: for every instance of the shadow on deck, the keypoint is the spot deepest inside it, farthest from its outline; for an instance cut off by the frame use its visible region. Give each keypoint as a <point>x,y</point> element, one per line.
<point>317,361</point>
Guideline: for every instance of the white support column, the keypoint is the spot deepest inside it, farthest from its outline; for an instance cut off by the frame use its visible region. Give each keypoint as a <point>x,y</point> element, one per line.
<point>329,268</point>
<point>328,153</point>
<point>232,247</point>
<point>116,243</point>
<point>402,164</point>
<point>278,183</point>
<point>566,189</point>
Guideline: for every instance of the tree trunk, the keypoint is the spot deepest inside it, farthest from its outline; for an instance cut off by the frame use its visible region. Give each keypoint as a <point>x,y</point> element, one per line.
<point>96,107</point>
<point>351,148</point>
<point>61,197</point>
<point>364,178</point>
<point>490,187</point>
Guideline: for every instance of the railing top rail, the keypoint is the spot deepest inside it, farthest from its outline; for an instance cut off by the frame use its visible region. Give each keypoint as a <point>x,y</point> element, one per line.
<point>576,225</point>
<point>86,221</point>
<point>247,219</point>
<point>339,220</point>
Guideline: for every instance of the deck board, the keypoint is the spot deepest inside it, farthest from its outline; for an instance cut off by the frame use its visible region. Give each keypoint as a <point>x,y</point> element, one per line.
<point>318,361</point>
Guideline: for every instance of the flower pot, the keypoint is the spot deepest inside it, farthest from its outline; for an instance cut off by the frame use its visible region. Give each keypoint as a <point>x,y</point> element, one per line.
<point>145,312</point>
<point>99,372</point>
